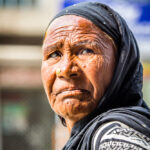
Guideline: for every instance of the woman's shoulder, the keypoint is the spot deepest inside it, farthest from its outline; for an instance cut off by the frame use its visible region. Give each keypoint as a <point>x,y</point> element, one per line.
<point>116,135</point>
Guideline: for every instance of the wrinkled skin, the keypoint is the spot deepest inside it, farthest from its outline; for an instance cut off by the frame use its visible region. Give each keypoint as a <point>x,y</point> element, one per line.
<point>86,57</point>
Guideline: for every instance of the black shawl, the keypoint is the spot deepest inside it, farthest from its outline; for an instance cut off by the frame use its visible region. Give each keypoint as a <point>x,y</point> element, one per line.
<point>123,100</point>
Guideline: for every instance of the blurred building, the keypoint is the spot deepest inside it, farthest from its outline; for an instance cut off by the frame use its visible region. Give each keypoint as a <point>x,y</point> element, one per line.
<point>26,120</point>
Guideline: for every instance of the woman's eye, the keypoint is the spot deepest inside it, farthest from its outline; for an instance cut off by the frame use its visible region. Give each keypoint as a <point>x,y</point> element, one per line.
<point>55,54</point>
<point>87,51</point>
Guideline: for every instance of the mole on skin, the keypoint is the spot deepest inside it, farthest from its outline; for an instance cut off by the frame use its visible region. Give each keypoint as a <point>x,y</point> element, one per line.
<point>86,57</point>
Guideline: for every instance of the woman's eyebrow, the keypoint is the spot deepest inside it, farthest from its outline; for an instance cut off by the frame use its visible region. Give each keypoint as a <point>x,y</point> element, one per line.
<point>80,43</point>
<point>91,43</point>
<point>52,47</point>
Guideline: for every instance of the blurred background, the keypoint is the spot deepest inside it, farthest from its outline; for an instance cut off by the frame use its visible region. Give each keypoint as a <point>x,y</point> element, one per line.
<point>26,120</point>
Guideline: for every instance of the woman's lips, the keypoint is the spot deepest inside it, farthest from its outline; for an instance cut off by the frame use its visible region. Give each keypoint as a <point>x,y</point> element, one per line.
<point>74,93</point>
<point>72,90</point>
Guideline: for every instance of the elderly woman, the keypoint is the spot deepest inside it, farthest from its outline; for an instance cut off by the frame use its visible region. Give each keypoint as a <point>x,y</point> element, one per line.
<point>93,79</point>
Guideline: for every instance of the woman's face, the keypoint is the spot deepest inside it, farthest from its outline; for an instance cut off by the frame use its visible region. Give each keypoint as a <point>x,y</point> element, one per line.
<point>77,67</point>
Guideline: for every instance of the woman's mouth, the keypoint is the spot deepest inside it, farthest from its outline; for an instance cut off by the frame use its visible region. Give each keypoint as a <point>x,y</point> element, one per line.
<point>71,90</point>
<point>74,93</point>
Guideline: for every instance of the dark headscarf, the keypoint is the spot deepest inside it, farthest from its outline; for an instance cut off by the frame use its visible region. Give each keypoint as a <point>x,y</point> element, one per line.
<point>123,100</point>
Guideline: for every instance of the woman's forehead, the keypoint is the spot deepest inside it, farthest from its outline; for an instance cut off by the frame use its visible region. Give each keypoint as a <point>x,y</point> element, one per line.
<point>75,25</point>
<point>71,20</point>
<point>63,25</point>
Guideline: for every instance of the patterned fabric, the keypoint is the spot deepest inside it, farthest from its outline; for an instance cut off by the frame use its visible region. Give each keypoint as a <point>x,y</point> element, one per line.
<point>118,136</point>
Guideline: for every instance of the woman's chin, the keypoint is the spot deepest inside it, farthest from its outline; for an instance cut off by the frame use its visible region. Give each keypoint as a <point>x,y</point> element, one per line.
<point>74,109</point>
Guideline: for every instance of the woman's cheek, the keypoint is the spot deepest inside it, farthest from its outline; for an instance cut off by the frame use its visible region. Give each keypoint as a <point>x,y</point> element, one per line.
<point>93,67</point>
<point>48,76</point>
<point>93,71</point>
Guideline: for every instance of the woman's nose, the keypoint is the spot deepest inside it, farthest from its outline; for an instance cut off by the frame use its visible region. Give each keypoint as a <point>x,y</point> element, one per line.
<point>68,69</point>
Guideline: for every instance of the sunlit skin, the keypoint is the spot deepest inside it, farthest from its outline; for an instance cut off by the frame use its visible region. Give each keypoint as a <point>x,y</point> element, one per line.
<point>85,57</point>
